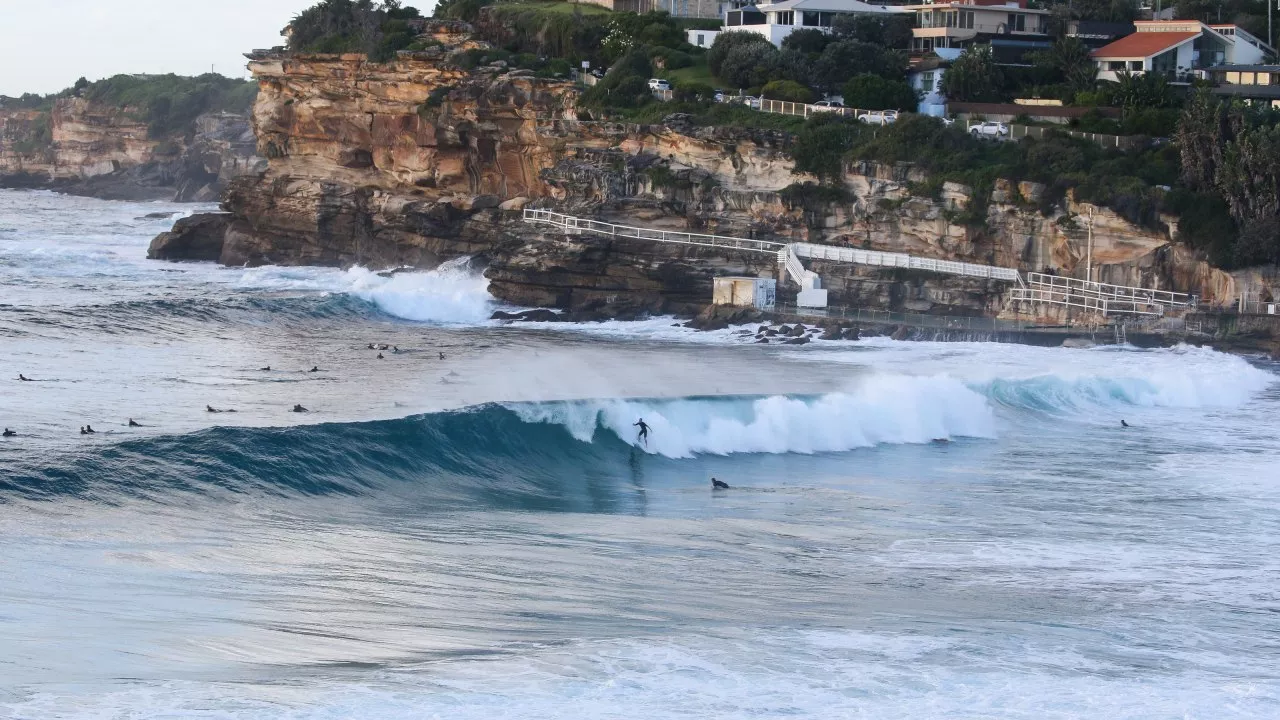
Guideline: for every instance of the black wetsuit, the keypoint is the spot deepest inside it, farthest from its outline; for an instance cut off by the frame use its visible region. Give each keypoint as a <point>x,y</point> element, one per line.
<point>644,430</point>
<point>9,433</point>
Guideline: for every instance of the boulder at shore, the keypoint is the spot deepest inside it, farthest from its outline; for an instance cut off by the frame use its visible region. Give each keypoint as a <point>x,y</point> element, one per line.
<point>199,237</point>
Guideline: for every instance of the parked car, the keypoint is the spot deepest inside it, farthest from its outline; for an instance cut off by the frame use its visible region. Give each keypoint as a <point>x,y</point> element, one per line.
<point>751,102</point>
<point>879,117</point>
<point>659,84</point>
<point>989,130</point>
<point>948,122</point>
<point>827,105</point>
<point>720,95</point>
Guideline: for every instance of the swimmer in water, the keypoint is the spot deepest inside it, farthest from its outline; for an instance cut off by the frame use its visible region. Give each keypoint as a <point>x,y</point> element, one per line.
<point>9,433</point>
<point>719,484</point>
<point>299,408</point>
<point>133,424</point>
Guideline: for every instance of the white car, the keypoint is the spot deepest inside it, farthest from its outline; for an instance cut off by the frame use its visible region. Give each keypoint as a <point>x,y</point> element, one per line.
<point>659,84</point>
<point>827,105</point>
<point>751,102</point>
<point>948,122</point>
<point>879,117</point>
<point>990,130</point>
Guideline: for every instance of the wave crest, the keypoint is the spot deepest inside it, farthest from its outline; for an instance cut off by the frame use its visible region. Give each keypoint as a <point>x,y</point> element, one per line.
<point>883,409</point>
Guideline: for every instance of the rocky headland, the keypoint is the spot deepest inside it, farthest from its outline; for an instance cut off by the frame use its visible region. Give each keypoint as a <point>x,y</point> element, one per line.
<point>416,161</point>
<point>100,150</point>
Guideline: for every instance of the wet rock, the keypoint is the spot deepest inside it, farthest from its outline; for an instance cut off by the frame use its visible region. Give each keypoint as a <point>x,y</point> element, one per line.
<point>902,332</point>
<point>198,237</point>
<point>763,341</point>
<point>355,158</point>
<point>802,340</point>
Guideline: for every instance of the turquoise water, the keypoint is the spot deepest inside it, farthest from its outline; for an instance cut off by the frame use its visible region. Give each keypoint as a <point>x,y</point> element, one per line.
<point>914,529</point>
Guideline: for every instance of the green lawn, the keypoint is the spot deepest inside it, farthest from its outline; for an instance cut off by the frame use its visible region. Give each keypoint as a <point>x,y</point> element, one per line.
<point>558,8</point>
<point>699,73</point>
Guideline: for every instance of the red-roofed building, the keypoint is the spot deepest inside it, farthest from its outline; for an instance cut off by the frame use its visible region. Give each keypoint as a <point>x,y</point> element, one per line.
<point>1177,48</point>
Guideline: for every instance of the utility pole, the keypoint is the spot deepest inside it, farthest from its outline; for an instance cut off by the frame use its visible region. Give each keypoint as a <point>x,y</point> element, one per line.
<point>1088,263</point>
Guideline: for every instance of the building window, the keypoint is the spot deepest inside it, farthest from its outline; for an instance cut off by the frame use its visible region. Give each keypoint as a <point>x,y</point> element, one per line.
<point>1264,78</point>
<point>1246,78</point>
<point>1233,78</point>
<point>1017,22</point>
<point>733,18</point>
<point>702,40</point>
<point>1116,65</point>
<point>1135,65</point>
<point>784,18</point>
<point>926,82</point>
<point>966,19</point>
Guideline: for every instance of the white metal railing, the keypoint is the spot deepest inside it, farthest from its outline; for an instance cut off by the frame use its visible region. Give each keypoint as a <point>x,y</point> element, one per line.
<point>1117,296</point>
<point>802,277</point>
<point>783,250</point>
<point>568,222</point>
<point>1093,303</point>
<point>902,260</point>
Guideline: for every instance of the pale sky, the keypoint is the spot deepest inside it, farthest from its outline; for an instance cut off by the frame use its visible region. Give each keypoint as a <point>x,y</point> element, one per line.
<point>46,44</point>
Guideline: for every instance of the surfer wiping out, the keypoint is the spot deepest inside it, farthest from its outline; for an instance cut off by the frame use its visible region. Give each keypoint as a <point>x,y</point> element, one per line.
<point>644,431</point>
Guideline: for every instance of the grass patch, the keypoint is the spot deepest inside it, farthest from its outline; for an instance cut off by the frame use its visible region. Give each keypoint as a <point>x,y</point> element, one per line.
<point>556,8</point>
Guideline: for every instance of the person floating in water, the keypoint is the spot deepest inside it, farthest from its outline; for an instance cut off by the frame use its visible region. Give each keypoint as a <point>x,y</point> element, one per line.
<point>266,369</point>
<point>211,408</point>
<point>371,346</point>
<point>1123,423</point>
<point>719,484</point>
<point>395,349</point>
<point>23,378</point>
<point>314,368</point>
<point>380,356</point>
<point>133,424</point>
<point>441,356</point>
<point>299,408</point>
<point>9,433</point>
<point>88,430</point>
<point>644,431</point>
<point>83,431</point>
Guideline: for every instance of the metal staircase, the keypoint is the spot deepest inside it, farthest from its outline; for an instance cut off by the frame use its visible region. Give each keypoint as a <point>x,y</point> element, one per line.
<point>1102,298</point>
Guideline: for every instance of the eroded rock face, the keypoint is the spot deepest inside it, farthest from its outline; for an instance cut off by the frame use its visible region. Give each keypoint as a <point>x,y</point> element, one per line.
<point>106,152</point>
<point>417,161</point>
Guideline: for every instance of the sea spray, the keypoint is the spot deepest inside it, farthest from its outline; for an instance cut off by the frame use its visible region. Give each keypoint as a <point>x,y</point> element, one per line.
<point>455,292</point>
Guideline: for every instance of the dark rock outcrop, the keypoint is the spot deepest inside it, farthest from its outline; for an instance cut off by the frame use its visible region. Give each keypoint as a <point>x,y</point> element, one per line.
<point>198,237</point>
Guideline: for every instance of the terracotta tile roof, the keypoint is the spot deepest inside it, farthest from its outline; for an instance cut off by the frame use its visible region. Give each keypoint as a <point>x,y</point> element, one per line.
<point>1143,44</point>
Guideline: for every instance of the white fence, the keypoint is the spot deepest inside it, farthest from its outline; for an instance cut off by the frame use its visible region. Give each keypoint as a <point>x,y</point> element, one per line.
<point>809,250</point>
<point>576,224</point>
<point>902,260</point>
<point>1099,297</point>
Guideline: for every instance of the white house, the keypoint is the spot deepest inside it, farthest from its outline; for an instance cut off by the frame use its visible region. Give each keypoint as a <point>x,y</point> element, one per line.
<point>1176,48</point>
<point>926,80</point>
<point>777,20</point>
<point>960,23</point>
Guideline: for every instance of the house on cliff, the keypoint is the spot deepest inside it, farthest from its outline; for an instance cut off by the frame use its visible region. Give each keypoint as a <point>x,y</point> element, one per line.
<point>1179,49</point>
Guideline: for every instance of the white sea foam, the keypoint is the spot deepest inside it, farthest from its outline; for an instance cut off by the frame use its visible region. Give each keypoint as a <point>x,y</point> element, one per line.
<point>452,293</point>
<point>892,409</point>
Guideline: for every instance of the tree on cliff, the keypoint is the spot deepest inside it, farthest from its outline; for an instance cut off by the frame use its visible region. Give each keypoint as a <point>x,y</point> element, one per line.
<point>363,26</point>
<point>973,77</point>
<point>872,92</point>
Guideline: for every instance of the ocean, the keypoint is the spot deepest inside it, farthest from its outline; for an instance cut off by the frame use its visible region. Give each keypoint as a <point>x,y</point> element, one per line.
<point>469,527</point>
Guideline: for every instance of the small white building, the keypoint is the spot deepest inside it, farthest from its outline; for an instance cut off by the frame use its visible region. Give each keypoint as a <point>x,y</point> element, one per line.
<point>1177,48</point>
<point>753,292</point>
<point>775,21</point>
<point>926,80</point>
<point>701,38</point>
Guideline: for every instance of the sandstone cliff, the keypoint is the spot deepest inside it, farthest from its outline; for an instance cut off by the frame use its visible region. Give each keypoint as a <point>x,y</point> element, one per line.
<point>105,151</point>
<point>417,160</point>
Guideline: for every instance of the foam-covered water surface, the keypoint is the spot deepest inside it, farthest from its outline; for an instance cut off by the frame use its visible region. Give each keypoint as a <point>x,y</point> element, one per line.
<point>470,526</point>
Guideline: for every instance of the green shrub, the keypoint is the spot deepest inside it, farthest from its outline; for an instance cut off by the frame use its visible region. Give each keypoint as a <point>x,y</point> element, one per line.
<point>726,42</point>
<point>872,92</point>
<point>170,103</point>
<point>787,90</point>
